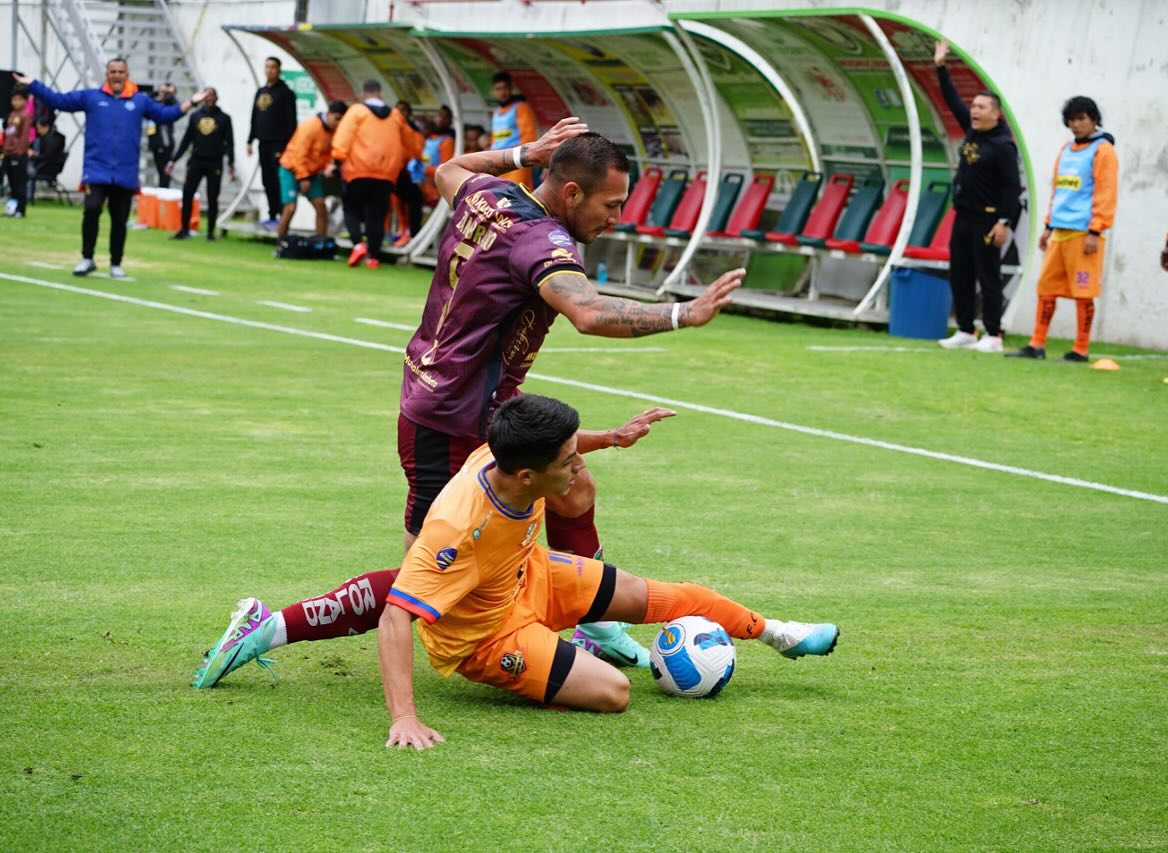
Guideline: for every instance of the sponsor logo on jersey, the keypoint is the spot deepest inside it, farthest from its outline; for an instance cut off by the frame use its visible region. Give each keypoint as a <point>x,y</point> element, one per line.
<point>1068,182</point>
<point>560,238</point>
<point>513,664</point>
<point>446,557</point>
<point>130,106</point>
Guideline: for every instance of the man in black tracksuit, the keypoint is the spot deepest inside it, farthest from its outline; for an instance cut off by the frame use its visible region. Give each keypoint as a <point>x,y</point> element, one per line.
<point>273,121</point>
<point>210,139</point>
<point>986,196</point>
<point>160,135</point>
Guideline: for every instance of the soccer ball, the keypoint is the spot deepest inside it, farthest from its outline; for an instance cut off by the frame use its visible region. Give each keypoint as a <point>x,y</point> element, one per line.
<point>692,656</point>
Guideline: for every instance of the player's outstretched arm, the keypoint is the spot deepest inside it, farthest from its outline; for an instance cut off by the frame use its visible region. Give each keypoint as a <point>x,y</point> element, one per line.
<point>625,435</point>
<point>395,650</point>
<point>592,313</point>
<point>454,173</point>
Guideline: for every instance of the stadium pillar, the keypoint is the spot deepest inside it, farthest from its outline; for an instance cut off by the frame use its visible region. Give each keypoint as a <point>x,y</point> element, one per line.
<point>695,66</point>
<point>914,175</point>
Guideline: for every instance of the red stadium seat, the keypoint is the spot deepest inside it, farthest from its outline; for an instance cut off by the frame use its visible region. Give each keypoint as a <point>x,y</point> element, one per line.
<point>686,215</point>
<point>821,223</point>
<point>938,248</point>
<point>636,207</point>
<point>884,225</point>
<point>749,210</point>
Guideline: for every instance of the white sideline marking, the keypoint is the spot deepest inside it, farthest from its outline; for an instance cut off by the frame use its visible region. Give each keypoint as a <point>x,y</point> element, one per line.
<point>284,306</point>
<point>368,321</point>
<point>816,348</point>
<point>622,392</point>
<point>44,265</point>
<point>197,290</point>
<point>1121,356</point>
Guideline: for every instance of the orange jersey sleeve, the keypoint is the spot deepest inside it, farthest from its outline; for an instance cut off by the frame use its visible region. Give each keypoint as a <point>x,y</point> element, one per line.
<point>1106,169</point>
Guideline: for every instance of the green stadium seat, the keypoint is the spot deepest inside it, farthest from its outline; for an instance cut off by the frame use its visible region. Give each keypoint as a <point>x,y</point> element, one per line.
<point>929,213</point>
<point>883,228</point>
<point>794,215</point>
<point>826,213</point>
<point>749,210</point>
<point>855,218</point>
<point>938,248</point>
<point>667,198</point>
<point>686,215</point>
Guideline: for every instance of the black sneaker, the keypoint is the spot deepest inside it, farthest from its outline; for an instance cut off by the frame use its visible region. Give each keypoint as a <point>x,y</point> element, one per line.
<point>1074,356</point>
<point>181,235</point>
<point>1027,352</point>
<point>211,235</point>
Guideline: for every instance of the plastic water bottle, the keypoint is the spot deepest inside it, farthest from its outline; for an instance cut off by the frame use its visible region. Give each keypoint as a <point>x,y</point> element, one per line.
<point>602,272</point>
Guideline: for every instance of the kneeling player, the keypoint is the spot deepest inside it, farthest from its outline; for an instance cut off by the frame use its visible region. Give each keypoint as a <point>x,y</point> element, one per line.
<point>491,599</point>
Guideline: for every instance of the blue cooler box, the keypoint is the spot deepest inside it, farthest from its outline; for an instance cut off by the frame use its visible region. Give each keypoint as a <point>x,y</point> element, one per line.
<point>919,304</point>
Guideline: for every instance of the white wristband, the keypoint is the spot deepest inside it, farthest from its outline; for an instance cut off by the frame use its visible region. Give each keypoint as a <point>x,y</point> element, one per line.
<point>676,311</point>
<point>516,153</point>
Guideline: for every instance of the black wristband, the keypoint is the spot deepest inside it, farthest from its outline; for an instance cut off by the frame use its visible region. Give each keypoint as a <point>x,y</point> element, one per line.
<point>1093,232</point>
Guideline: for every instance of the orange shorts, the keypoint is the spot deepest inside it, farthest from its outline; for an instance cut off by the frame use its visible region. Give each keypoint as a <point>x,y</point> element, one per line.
<point>1067,271</point>
<point>526,656</point>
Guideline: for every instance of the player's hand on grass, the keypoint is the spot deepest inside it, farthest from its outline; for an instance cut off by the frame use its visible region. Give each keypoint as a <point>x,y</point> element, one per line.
<point>410,731</point>
<point>636,428</point>
<point>717,296</point>
<point>539,153</point>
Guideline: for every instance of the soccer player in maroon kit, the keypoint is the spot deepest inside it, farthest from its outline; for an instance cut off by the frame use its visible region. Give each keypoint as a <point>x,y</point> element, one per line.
<point>507,266</point>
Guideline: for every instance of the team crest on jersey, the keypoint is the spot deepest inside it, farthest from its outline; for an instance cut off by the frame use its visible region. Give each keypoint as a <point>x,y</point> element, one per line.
<point>560,238</point>
<point>206,125</point>
<point>446,557</point>
<point>530,534</point>
<point>130,106</point>
<point>513,664</point>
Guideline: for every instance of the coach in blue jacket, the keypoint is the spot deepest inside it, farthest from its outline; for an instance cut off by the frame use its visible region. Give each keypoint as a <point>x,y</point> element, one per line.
<point>113,139</point>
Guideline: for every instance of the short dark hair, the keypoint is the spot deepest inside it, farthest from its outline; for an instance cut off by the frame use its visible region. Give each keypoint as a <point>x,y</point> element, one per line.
<point>114,59</point>
<point>20,90</point>
<point>1081,105</point>
<point>502,77</point>
<point>586,159</point>
<point>993,96</point>
<point>337,107</point>
<point>274,59</point>
<point>529,430</point>
<point>370,86</point>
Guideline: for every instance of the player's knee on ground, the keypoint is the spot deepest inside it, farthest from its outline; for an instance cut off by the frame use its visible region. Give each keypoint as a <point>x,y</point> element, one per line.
<point>613,695</point>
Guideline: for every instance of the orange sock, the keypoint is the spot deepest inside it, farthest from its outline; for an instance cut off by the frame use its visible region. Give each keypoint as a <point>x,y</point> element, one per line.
<point>1085,317</point>
<point>1043,315</point>
<point>671,600</point>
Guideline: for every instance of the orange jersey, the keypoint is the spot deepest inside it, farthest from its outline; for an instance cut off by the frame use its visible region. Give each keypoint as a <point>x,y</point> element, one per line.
<point>468,566</point>
<point>308,151</point>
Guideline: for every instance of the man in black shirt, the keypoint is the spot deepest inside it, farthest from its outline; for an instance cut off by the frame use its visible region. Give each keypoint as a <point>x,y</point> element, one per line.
<point>210,139</point>
<point>160,135</point>
<point>273,121</point>
<point>985,195</point>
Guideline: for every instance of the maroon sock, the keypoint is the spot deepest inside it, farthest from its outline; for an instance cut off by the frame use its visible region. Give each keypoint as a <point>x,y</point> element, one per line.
<point>574,535</point>
<point>352,608</point>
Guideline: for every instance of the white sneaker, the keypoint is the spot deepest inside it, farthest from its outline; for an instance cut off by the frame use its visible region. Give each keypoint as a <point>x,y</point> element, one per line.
<point>795,639</point>
<point>989,343</point>
<point>84,267</point>
<point>118,272</point>
<point>959,340</point>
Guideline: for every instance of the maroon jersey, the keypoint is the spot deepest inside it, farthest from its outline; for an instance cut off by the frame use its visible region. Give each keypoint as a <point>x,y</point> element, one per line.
<point>484,320</point>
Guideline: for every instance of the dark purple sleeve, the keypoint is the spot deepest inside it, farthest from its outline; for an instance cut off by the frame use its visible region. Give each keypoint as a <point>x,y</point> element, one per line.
<point>542,249</point>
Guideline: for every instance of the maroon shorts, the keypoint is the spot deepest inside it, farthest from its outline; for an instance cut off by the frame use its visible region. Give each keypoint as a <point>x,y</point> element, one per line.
<point>429,458</point>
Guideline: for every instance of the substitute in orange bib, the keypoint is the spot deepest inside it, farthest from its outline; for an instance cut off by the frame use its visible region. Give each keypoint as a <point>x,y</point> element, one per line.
<point>1082,209</point>
<point>512,125</point>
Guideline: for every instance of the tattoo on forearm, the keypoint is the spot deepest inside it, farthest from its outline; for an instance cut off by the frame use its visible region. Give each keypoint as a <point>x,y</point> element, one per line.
<point>638,318</point>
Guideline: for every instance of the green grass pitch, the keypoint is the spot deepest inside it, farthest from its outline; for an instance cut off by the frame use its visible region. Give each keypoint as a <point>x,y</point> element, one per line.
<point>1001,681</point>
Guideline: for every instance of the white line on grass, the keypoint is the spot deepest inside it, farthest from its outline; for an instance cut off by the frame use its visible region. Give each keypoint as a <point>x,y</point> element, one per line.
<point>284,306</point>
<point>623,392</point>
<point>939,350</point>
<point>197,290</point>
<point>381,324</point>
<point>44,265</point>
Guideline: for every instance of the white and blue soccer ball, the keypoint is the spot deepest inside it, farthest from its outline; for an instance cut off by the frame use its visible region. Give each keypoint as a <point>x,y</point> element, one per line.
<point>692,656</point>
